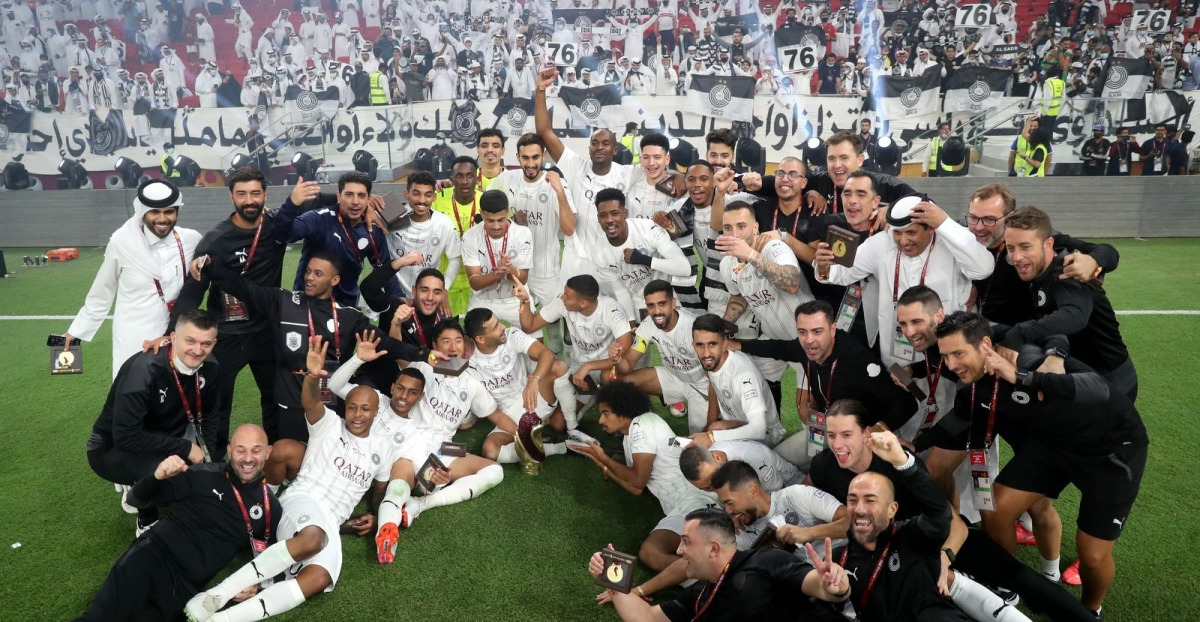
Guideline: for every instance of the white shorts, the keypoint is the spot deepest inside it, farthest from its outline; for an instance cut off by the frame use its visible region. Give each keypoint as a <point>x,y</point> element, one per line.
<point>514,407</point>
<point>302,510</point>
<point>695,396</point>
<point>672,522</point>
<point>573,265</point>
<point>772,369</point>
<point>544,289</point>
<point>418,453</point>
<point>507,309</point>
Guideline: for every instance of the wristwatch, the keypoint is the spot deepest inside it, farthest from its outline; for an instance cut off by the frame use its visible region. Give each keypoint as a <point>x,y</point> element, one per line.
<point>1024,377</point>
<point>949,553</point>
<point>1056,351</point>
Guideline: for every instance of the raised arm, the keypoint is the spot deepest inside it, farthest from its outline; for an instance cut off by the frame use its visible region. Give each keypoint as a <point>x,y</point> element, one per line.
<point>935,517</point>
<point>310,395</point>
<point>541,114</point>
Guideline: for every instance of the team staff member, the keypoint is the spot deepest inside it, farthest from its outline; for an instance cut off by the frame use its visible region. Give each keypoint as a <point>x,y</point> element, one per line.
<point>344,233</point>
<point>203,532</point>
<point>1065,306</point>
<point>243,243</point>
<point>924,247</point>
<point>1073,429</point>
<point>461,203</point>
<point>770,584</point>
<point>1003,297</point>
<point>836,367</point>
<point>161,404</point>
<point>297,316</point>
<point>144,267</point>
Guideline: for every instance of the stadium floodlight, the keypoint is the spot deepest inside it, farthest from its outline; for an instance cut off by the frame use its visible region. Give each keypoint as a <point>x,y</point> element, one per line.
<point>364,162</point>
<point>74,175</point>
<point>129,171</point>
<point>305,166</point>
<point>16,177</point>
<point>814,154</point>
<point>189,171</point>
<point>887,156</point>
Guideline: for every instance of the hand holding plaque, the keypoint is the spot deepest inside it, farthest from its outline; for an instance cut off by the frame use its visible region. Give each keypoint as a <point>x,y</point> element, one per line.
<point>62,359</point>
<point>396,213</point>
<point>616,571</point>
<point>844,245</point>
<point>901,374</point>
<point>428,471</point>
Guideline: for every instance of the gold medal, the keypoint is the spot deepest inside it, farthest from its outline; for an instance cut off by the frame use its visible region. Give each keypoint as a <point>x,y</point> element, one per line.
<point>615,573</point>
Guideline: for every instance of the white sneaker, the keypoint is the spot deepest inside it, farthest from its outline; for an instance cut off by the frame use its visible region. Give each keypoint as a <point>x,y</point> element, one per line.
<point>579,437</point>
<point>202,606</point>
<point>129,509</point>
<point>139,529</point>
<point>411,510</point>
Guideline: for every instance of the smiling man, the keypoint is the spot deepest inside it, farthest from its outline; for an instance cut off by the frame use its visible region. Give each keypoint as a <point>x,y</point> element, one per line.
<point>345,232</point>
<point>495,252</point>
<point>430,232</point>
<point>160,404</point>
<point>145,264</point>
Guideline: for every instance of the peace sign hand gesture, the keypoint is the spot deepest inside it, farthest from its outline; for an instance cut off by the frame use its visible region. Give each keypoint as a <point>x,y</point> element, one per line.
<point>834,581</point>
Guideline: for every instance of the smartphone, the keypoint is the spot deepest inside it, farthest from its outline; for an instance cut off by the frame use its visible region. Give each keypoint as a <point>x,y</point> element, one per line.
<point>56,340</point>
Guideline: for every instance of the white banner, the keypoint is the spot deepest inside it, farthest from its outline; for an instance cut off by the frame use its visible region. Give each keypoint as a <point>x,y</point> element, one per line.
<point>781,126</point>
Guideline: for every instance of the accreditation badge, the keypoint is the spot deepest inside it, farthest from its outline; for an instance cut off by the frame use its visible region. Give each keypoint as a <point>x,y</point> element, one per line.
<point>235,310</point>
<point>851,303</point>
<point>984,464</point>
<point>327,396</point>
<point>1123,166</point>
<point>816,432</point>
<point>901,348</point>
<point>929,412</point>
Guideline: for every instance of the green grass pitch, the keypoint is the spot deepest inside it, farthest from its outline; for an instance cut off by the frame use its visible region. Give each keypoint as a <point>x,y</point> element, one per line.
<point>519,552</point>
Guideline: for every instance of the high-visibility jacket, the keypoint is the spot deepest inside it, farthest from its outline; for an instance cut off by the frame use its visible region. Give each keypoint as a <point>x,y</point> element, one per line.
<point>629,141</point>
<point>379,95</point>
<point>1054,88</point>
<point>174,172</point>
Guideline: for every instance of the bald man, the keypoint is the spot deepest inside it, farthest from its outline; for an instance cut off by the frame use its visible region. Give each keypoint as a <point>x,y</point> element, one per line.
<point>213,505</point>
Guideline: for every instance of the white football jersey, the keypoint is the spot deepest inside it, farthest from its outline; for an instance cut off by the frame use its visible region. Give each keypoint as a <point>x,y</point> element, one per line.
<point>539,202</point>
<point>773,471</point>
<point>503,372</point>
<point>649,434</point>
<point>774,308</point>
<point>675,348</point>
<point>408,439</point>
<point>583,186</point>
<point>339,467</point>
<point>743,395</point>
<point>611,266</point>
<point>517,244</point>
<point>800,506</point>
<point>450,400</point>
<point>643,199</point>
<point>590,334</point>
<point>435,238</point>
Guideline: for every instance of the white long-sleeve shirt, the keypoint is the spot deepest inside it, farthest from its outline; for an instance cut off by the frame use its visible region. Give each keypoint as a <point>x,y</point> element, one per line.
<point>141,313</point>
<point>955,259</point>
<point>743,395</point>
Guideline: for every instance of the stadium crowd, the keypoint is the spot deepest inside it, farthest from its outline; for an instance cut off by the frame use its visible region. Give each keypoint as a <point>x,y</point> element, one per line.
<point>533,296</point>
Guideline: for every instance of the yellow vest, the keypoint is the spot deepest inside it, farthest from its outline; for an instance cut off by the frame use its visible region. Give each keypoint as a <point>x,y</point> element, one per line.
<point>628,141</point>
<point>935,150</point>
<point>378,89</point>
<point>174,172</point>
<point>1056,87</point>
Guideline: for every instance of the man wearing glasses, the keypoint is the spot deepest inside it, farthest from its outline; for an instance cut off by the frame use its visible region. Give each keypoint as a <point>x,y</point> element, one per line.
<point>1003,297</point>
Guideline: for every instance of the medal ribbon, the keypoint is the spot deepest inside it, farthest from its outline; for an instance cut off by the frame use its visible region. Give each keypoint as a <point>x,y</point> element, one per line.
<point>246,515</point>
<point>337,337</point>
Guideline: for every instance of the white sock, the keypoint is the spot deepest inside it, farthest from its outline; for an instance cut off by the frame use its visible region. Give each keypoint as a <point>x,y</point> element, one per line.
<point>1050,569</point>
<point>281,597</point>
<point>981,603</point>
<point>465,488</point>
<point>508,454</point>
<point>555,449</point>
<point>397,493</point>
<point>1026,521</point>
<point>543,409</point>
<point>270,563</point>
<point>564,392</point>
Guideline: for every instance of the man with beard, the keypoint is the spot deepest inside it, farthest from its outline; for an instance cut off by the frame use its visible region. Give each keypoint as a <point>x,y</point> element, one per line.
<point>496,252</point>
<point>410,320</point>
<point>774,585</point>
<point>145,264</point>
<point>242,243</point>
<point>429,232</point>
<point>201,535</point>
<point>346,233</point>
<point>1072,428</point>
<point>1003,297</point>
<point>538,201</point>
<point>632,251</point>
<point>342,459</point>
<point>585,177</point>
<point>679,381</point>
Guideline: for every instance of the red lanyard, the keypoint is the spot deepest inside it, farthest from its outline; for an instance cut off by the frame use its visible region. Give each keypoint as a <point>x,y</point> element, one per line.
<point>696,608</point>
<point>337,337</point>
<point>253,247</point>
<point>934,377</point>
<point>991,423</point>
<point>487,241</point>
<point>862,601</point>
<point>198,414</point>
<point>987,291</point>
<point>246,515</point>
<point>896,282</point>
<point>458,219</point>
<point>351,243</point>
<point>182,262</point>
<point>835,200</point>
<point>795,223</point>
<point>421,331</point>
<point>828,392</point>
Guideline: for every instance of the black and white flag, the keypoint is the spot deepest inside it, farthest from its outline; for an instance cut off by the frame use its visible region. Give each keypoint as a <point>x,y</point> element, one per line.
<point>514,115</point>
<point>303,106</point>
<point>725,97</point>
<point>598,106</point>
<point>910,96</point>
<point>464,122</point>
<point>975,89</point>
<point>1127,78</point>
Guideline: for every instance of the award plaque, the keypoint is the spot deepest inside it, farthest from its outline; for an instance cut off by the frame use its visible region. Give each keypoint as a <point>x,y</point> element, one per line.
<point>618,571</point>
<point>453,449</point>
<point>770,536</point>
<point>452,367</point>
<point>428,470</point>
<point>907,380</point>
<point>667,185</point>
<point>844,245</point>
<point>880,427</point>
<point>235,310</point>
<point>64,361</point>
<point>327,396</point>
<point>396,213</point>
<point>678,228</point>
